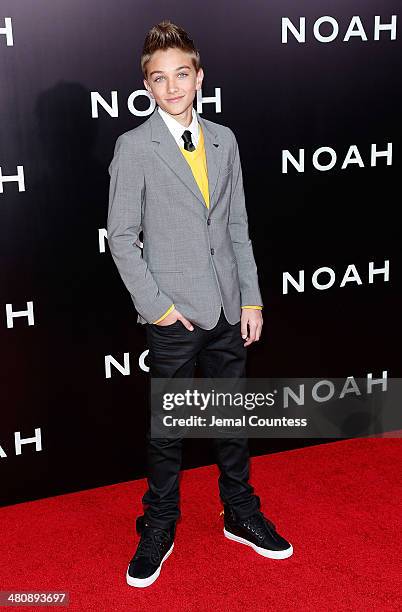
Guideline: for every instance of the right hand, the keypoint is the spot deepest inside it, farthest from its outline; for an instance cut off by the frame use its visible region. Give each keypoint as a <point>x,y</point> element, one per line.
<point>172,317</point>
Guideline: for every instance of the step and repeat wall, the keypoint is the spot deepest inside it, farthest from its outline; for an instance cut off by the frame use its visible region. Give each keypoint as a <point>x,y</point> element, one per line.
<point>312,91</point>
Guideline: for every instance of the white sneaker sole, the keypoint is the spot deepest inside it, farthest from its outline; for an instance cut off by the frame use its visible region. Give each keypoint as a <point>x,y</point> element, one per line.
<point>144,582</point>
<point>271,554</point>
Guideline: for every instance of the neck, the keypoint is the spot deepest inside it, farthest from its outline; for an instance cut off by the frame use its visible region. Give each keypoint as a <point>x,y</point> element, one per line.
<point>185,118</point>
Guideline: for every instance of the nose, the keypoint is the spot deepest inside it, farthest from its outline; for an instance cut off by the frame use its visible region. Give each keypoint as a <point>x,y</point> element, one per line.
<point>172,87</point>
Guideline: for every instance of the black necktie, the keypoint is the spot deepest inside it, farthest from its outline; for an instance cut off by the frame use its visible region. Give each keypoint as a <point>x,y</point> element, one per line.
<point>188,144</point>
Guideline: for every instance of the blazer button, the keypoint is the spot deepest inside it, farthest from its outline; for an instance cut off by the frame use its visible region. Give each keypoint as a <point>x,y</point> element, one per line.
<point>209,221</point>
<point>212,251</point>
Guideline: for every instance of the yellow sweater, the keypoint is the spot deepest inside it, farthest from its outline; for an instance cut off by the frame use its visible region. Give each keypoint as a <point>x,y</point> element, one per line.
<point>198,164</point>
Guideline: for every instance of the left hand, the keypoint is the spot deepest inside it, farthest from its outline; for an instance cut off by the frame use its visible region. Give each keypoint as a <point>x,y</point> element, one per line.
<point>253,318</point>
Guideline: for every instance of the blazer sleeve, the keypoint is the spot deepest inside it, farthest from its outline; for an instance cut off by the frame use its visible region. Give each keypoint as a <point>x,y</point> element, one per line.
<point>238,227</point>
<point>124,223</point>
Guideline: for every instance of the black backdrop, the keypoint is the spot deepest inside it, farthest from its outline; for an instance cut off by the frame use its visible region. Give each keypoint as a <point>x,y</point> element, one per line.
<point>55,263</point>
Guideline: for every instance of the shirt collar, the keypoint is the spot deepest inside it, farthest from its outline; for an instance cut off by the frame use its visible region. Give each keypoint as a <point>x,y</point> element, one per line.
<point>177,129</point>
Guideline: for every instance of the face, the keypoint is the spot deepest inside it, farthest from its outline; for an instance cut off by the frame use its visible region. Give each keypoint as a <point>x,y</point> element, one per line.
<point>173,82</point>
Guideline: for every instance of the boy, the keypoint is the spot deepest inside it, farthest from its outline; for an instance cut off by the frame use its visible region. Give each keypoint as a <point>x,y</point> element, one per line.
<point>177,177</point>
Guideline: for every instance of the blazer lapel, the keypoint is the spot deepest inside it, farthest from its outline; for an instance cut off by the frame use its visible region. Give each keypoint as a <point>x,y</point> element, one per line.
<point>166,147</point>
<point>213,152</point>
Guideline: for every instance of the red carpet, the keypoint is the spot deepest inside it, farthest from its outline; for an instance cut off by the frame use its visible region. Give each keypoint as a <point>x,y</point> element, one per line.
<point>339,505</point>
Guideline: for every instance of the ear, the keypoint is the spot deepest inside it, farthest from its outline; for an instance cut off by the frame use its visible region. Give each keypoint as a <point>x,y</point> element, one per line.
<point>199,78</point>
<point>147,87</point>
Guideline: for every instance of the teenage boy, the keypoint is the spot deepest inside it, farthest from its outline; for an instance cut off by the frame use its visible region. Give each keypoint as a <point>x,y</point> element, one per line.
<point>178,178</point>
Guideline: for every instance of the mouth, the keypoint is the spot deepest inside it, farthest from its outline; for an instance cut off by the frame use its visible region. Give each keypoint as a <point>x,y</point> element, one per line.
<point>175,99</point>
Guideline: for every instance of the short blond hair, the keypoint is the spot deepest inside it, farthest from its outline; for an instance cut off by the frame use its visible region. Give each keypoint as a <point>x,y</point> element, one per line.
<point>168,35</point>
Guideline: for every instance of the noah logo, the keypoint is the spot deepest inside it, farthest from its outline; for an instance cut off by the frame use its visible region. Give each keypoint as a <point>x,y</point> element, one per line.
<point>19,442</point>
<point>324,278</point>
<point>325,158</point>
<point>326,29</point>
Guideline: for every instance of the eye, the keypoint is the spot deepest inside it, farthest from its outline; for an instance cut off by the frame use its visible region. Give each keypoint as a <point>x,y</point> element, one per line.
<point>161,77</point>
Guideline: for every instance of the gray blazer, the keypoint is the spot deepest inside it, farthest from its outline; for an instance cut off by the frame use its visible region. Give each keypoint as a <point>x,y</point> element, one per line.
<point>192,256</point>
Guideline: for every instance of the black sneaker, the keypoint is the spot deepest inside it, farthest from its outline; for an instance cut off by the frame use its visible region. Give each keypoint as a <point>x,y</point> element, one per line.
<point>258,532</point>
<point>153,549</point>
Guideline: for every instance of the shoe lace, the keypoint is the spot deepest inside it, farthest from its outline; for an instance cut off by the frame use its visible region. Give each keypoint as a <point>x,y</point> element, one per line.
<point>257,523</point>
<point>153,540</point>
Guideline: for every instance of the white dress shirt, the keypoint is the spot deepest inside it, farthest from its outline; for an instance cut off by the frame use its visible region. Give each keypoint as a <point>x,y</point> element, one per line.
<point>177,129</point>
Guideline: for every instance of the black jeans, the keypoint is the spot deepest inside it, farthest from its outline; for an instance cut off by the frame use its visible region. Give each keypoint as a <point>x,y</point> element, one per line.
<point>220,352</point>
